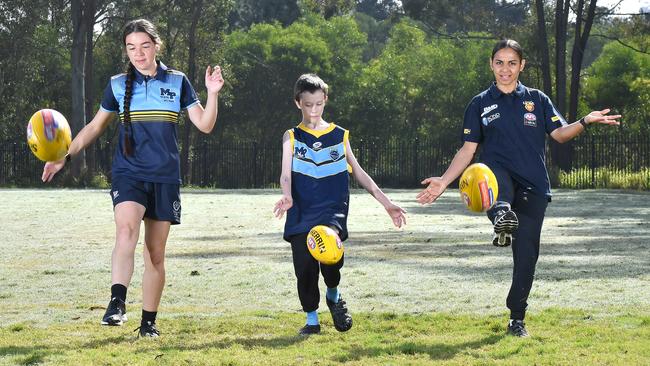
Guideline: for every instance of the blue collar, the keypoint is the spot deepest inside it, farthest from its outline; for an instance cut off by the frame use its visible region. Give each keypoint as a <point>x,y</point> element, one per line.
<point>496,93</point>
<point>160,74</point>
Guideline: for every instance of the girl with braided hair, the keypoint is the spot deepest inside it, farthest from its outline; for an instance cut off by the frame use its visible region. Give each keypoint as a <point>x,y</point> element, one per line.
<point>146,167</point>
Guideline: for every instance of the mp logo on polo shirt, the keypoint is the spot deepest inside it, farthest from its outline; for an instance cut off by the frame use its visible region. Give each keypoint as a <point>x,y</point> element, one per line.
<point>167,95</point>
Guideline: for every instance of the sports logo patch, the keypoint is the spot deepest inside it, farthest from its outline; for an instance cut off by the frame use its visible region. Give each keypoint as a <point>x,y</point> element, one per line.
<point>300,151</point>
<point>555,118</point>
<point>334,154</point>
<point>317,145</point>
<point>493,117</point>
<point>176,206</point>
<point>311,242</point>
<point>530,119</point>
<point>167,95</point>
<point>529,105</point>
<point>489,109</point>
<point>467,131</point>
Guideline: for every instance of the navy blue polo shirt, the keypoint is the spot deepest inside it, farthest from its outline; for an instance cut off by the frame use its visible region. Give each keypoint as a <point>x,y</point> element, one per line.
<point>156,103</point>
<point>511,129</point>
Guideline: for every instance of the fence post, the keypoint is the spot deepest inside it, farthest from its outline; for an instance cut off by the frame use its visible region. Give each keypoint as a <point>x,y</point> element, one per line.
<point>13,159</point>
<point>254,164</point>
<point>415,160</point>
<point>593,161</point>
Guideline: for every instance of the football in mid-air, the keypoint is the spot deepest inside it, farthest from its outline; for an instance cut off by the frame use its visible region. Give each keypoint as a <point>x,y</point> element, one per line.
<point>478,187</point>
<point>324,245</point>
<point>48,135</point>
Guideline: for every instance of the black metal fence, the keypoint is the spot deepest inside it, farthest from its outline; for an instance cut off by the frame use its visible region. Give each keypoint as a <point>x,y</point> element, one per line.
<point>596,162</point>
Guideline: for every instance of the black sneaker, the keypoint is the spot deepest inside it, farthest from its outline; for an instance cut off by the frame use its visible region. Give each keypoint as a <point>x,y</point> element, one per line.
<point>517,328</point>
<point>342,319</point>
<point>309,330</point>
<point>505,223</point>
<point>115,312</point>
<point>148,329</point>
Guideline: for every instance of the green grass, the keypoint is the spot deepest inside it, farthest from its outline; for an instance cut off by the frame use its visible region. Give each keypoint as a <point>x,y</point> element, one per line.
<point>433,292</point>
<point>268,338</point>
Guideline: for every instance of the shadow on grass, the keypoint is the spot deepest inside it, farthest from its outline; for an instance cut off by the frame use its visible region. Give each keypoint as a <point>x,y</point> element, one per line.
<point>246,342</point>
<point>434,351</point>
<point>590,235</point>
<point>27,355</point>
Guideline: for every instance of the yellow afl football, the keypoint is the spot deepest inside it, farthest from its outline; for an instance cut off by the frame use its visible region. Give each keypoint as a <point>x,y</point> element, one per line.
<point>324,245</point>
<point>478,187</point>
<point>48,135</point>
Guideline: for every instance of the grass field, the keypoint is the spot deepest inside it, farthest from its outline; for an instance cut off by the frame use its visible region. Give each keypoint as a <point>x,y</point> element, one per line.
<point>433,292</point>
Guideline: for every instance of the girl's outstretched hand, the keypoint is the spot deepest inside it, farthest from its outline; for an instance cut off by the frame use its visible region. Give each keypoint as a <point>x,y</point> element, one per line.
<point>51,168</point>
<point>213,79</point>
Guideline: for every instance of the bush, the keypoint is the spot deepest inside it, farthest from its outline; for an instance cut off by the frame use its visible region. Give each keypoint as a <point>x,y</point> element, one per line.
<point>605,178</point>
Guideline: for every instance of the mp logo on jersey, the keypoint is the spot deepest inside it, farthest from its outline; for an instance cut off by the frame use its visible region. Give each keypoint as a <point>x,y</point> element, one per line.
<point>301,152</point>
<point>167,94</point>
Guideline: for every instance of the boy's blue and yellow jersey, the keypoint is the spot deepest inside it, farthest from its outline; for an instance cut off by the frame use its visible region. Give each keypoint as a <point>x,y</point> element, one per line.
<point>156,103</point>
<point>319,180</point>
<point>512,129</point>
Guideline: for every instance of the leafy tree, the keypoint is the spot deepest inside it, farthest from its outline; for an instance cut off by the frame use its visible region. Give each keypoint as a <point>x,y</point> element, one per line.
<point>248,12</point>
<point>327,8</point>
<point>446,17</point>
<point>414,87</point>
<point>620,79</point>
<point>265,63</point>
<point>378,9</point>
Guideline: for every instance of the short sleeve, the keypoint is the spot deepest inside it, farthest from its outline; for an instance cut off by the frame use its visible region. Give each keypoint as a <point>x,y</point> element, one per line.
<point>552,117</point>
<point>188,95</point>
<point>472,122</point>
<point>109,103</point>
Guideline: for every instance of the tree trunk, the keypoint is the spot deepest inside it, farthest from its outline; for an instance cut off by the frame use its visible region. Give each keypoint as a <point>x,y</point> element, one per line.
<point>542,38</point>
<point>561,153</point>
<point>89,16</point>
<point>77,62</point>
<point>579,46</point>
<point>191,74</point>
<point>561,20</point>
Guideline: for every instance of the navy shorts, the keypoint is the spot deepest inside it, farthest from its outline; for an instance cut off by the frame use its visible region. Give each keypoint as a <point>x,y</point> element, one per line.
<point>162,201</point>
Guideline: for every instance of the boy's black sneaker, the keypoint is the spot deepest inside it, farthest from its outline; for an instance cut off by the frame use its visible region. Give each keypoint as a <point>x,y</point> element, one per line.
<point>505,223</point>
<point>342,319</point>
<point>115,312</point>
<point>517,328</point>
<point>309,330</point>
<point>148,329</point>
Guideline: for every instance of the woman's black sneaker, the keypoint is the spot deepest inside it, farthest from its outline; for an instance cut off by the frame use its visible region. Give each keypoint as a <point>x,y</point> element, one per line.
<point>148,329</point>
<point>505,224</point>
<point>115,312</point>
<point>309,330</point>
<point>517,328</point>
<point>342,319</point>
